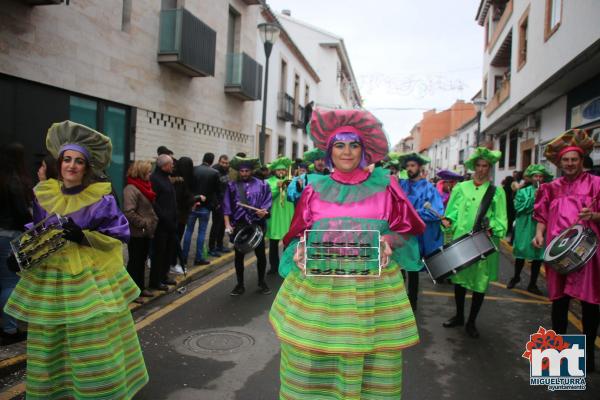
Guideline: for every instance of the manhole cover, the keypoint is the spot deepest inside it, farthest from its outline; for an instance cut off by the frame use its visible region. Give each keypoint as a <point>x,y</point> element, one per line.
<point>218,342</point>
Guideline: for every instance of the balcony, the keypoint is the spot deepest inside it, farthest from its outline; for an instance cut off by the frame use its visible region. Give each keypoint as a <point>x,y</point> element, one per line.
<point>299,117</point>
<point>499,97</point>
<point>243,78</point>
<point>285,111</point>
<point>186,43</point>
<point>499,26</point>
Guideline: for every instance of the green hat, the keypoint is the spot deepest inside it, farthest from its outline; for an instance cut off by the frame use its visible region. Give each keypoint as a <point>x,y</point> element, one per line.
<point>392,163</point>
<point>314,154</point>
<point>419,158</point>
<point>280,163</point>
<point>238,163</point>
<point>537,169</point>
<point>68,135</point>
<point>491,156</point>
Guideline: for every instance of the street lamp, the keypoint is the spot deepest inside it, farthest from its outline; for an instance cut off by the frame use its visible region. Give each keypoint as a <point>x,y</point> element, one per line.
<point>268,34</point>
<point>479,103</point>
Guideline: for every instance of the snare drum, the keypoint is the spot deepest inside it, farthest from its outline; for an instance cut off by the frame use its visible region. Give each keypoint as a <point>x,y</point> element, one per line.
<point>572,249</point>
<point>459,254</point>
<point>248,238</point>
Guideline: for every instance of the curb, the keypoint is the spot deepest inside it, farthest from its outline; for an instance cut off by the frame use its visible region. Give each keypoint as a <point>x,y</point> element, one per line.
<point>17,361</point>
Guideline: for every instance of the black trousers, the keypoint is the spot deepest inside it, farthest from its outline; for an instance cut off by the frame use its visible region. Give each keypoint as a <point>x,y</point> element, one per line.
<point>476,302</point>
<point>163,248</point>
<point>261,263</point>
<point>535,269</point>
<point>412,287</point>
<point>217,230</point>
<point>138,249</point>
<point>274,254</point>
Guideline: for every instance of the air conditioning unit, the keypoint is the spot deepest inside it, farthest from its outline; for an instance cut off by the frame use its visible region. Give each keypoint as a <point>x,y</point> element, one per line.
<point>531,123</point>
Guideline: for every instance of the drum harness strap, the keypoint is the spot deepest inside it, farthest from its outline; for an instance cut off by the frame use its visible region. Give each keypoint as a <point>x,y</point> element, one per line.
<point>480,221</point>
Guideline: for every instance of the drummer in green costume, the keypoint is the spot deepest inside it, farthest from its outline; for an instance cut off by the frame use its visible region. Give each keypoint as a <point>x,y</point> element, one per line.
<point>282,210</point>
<point>462,210</point>
<point>525,226</point>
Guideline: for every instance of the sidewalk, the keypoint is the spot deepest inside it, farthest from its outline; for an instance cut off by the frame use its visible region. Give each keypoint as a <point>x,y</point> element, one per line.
<point>13,357</point>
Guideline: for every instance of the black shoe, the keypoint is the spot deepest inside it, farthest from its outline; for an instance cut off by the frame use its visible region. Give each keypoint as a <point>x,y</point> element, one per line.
<point>471,330</point>
<point>237,290</point>
<point>223,250</point>
<point>201,262</point>
<point>534,289</point>
<point>169,282</point>
<point>214,253</point>
<point>454,321</point>
<point>272,272</point>
<point>11,338</point>
<point>162,287</point>
<point>263,288</point>
<point>513,282</point>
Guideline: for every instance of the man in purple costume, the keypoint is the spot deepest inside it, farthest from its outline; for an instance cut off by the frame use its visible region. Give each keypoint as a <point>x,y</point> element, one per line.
<point>571,199</point>
<point>255,193</point>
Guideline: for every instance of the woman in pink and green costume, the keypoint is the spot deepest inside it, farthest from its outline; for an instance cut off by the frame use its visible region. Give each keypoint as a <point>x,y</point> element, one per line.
<point>461,211</point>
<point>342,337</point>
<point>82,342</point>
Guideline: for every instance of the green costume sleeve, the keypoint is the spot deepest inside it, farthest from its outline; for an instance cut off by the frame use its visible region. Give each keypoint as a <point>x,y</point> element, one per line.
<point>498,218</point>
<point>524,200</point>
<point>287,258</point>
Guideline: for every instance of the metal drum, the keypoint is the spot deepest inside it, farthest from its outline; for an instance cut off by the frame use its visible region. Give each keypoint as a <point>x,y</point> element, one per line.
<point>248,238</point>
<point>459,254</point>
<point>342,253</point>
<point>39,242</point>
<point>571,250</point>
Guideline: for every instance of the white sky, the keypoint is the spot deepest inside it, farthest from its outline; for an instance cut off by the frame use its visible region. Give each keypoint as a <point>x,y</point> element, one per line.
<point>406,54</point>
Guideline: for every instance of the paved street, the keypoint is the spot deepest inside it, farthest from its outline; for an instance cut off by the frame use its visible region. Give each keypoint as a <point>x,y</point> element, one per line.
<point>204,344</point>
<point>221,347</point>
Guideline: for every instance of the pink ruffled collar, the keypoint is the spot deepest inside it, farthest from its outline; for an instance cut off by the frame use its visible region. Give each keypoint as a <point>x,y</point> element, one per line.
<point>350,178</point>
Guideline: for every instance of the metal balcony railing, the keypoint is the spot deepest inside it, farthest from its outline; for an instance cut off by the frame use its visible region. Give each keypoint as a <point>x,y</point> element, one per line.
<point>285,110</point>
<point>243,78</point>
<point>186,43</point>
<point>299,117</point>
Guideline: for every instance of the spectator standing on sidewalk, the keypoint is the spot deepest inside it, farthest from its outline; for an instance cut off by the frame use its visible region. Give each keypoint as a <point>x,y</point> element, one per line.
<point>183,178</point>
<point>15,200</point>
<point>253,192</point>
<point>282,210</point>
<point>165,207</point>
<point>205,189</point>
<point>138,200</point>
<point>217,229</point>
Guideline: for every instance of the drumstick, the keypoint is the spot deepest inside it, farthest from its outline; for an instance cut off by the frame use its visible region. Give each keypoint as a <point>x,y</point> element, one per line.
<point>427,205</point>
<point>247,206</point>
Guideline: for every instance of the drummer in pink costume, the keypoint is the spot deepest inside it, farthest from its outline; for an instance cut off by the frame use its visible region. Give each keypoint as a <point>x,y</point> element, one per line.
<point>573,198</point>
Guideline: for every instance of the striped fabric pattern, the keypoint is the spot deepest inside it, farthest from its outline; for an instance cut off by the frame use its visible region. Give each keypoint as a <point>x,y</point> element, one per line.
<point>50,296</point>
<point>318,376</point>
<point>345,315</point>
<point>99,358</point>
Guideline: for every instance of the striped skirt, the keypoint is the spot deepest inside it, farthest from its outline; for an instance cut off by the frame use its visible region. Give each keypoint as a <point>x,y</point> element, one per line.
<point>99,358</point>
<point>319,376</point>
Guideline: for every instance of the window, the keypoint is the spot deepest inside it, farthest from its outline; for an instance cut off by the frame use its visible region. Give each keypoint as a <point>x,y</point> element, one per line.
<point>461,157</point>
<point>523,25</point>
<point>233,26</point>
<point>485,88</point>
<point>296,96</point>
<point>280,146</point>
<point>305,147</point>
<point>306,95</point>
<point>512,149</point>
<point>498,83</point>
<point>294,149</point>
<point>502,145</point>
<point>283,81</point>
<point>126,16</point>
<point>553,17</point>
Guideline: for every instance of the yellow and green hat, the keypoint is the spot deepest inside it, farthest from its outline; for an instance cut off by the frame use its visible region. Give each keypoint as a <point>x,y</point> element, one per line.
<point>280,163</point>
<point>537,169</point>
<point>314,154</point>
<point>238,163</point>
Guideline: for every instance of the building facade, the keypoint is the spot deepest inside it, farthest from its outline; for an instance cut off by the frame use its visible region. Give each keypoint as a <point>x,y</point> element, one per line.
<point>182,74</point>
<point>541,76</point>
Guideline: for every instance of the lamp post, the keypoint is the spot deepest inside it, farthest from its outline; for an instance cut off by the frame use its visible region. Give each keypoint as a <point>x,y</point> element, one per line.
<point>479,103</point>
<point>269,33</point>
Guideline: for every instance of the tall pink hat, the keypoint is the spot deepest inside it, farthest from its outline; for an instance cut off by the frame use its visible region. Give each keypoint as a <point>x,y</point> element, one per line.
<point>326,123</point>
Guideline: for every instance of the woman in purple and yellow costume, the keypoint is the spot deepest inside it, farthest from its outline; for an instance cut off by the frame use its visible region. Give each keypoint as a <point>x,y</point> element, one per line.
<point>342,338</point>
<point>82,342</point>
<point>573,198</point>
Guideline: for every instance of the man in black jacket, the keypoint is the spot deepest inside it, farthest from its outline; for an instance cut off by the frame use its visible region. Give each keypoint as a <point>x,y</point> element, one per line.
<point>206,190</point>
<point>217,229</point>
<point>165,207</point>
